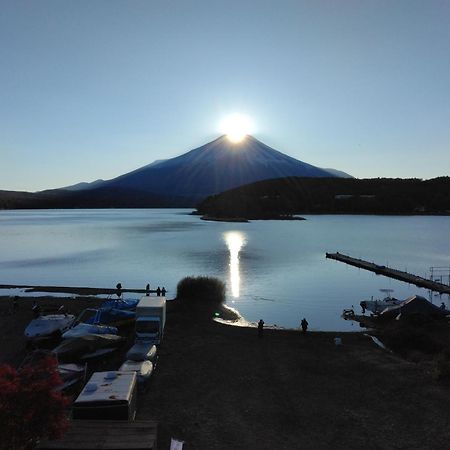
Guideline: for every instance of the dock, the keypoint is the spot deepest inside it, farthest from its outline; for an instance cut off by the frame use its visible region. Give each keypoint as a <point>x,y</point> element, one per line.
<point>391,273</point>
<point>106,435</point>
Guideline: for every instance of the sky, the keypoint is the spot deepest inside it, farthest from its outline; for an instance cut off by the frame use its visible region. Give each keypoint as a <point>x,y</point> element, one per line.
<point>93,89</point>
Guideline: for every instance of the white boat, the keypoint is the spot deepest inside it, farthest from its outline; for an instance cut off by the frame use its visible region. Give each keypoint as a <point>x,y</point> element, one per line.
<point>142,351</point>
<point>143,369</point>
<point>378,305</point>
<point>83,329</point>
<point>49,326</point>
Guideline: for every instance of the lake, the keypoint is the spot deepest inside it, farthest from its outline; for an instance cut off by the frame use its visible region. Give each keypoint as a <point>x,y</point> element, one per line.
<point>274,270</point>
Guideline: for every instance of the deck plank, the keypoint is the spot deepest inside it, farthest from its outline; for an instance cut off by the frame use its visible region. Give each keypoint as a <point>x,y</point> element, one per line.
<point>106,435</point>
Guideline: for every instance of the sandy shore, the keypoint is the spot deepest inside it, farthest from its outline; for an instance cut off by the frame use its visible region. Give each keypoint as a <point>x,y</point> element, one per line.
<point>220,387</point>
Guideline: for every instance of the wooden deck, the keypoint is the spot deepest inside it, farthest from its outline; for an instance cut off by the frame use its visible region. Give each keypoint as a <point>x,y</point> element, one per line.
<point>391,273</point>
<point>106,435</point>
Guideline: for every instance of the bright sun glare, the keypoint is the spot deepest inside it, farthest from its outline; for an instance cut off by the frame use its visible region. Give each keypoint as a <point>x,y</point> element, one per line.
<point>236,127</point>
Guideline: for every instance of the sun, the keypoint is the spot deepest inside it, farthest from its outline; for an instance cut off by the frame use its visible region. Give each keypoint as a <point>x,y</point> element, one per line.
<point>236,127</point>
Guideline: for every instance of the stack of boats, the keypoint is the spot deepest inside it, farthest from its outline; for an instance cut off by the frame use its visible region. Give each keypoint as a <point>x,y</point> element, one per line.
<point>91,335</point>
<point>94,333</point>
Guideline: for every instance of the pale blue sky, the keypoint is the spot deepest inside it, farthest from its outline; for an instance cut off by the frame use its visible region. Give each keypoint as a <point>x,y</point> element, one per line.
<point>93,89</point>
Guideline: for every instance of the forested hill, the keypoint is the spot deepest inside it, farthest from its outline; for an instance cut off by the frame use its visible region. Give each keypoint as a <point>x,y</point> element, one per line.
<point>103,197</point>
<point>284,197</point>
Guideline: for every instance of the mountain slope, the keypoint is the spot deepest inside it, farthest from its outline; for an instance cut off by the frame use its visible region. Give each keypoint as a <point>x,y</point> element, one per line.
<point>216,167</point>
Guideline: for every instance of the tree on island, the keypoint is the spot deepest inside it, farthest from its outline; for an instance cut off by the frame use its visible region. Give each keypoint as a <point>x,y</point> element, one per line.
<point>30,407</point>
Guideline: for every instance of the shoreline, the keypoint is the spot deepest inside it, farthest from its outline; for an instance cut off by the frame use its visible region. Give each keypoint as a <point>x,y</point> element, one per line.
<point>218,387</point>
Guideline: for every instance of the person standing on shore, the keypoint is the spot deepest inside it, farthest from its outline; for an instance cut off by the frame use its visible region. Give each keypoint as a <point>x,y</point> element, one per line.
<point>163,291</point>
<point>147,290</point>
<point>304,324</point>
<point>158,291</point>
<point>260,328</point>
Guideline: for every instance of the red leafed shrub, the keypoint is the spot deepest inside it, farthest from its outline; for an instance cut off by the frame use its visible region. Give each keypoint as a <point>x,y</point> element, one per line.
<point>30,408</point>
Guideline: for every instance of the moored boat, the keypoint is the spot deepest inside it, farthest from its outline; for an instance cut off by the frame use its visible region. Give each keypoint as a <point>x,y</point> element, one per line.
<point>378,305</point>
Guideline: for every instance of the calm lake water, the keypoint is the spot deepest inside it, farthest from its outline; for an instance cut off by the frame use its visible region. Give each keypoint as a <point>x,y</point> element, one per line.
<point>274,270</point>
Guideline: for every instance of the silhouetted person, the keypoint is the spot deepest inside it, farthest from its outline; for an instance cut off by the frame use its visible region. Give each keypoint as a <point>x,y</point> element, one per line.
<point>442,306</point>
<point>363,305</point>
<point>304,324</point>
<point>158,291</point>
<point>163,291</point>
<point>260,328</point>
<point>147,290</point>
<point>119,289</point>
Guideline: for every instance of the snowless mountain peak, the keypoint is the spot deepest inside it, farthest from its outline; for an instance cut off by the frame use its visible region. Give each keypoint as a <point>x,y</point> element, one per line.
<point>215,167</point>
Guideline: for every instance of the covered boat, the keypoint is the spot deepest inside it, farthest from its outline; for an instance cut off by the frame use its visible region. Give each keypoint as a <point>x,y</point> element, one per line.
<point>414,306</point>
<point>52,325</point>
<point>127,304</point>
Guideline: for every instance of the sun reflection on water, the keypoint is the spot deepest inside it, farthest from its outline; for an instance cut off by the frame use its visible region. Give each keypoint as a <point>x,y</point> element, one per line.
<point>235,240</point>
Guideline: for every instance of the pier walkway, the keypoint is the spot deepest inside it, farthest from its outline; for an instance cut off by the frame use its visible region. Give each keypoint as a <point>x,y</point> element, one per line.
<point>391,273</point>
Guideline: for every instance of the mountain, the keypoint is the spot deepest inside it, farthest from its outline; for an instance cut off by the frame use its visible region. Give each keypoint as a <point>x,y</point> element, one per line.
<point>215,167</point>
<point>182,181</point>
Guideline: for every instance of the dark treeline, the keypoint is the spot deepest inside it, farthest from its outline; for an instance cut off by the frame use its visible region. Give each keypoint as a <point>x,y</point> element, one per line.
<point>92,198</point>
<point>284,197</point>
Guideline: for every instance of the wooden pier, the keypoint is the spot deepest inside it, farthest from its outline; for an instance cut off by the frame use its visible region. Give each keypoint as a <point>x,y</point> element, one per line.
<point>391,273</point>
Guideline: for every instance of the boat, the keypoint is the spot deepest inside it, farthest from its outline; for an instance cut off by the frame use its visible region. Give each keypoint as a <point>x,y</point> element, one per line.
<point>51,325</point>
<point>108,314</point>
<point>113,316</point>
<point>88,322</point>
<point>86,329</point>
<point>78,347</point>
<point>143,370</point>
<point>142,351</point>
<point>71,374</point>
<point>118,303</point>
<point>378,305</point>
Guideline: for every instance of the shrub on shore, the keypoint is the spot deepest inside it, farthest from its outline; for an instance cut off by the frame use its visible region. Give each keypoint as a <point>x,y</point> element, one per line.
<point>204,289</point>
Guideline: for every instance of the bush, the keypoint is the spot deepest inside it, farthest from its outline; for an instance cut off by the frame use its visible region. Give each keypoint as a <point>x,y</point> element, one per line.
<point>30,408</point>
<point>204,289</point>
